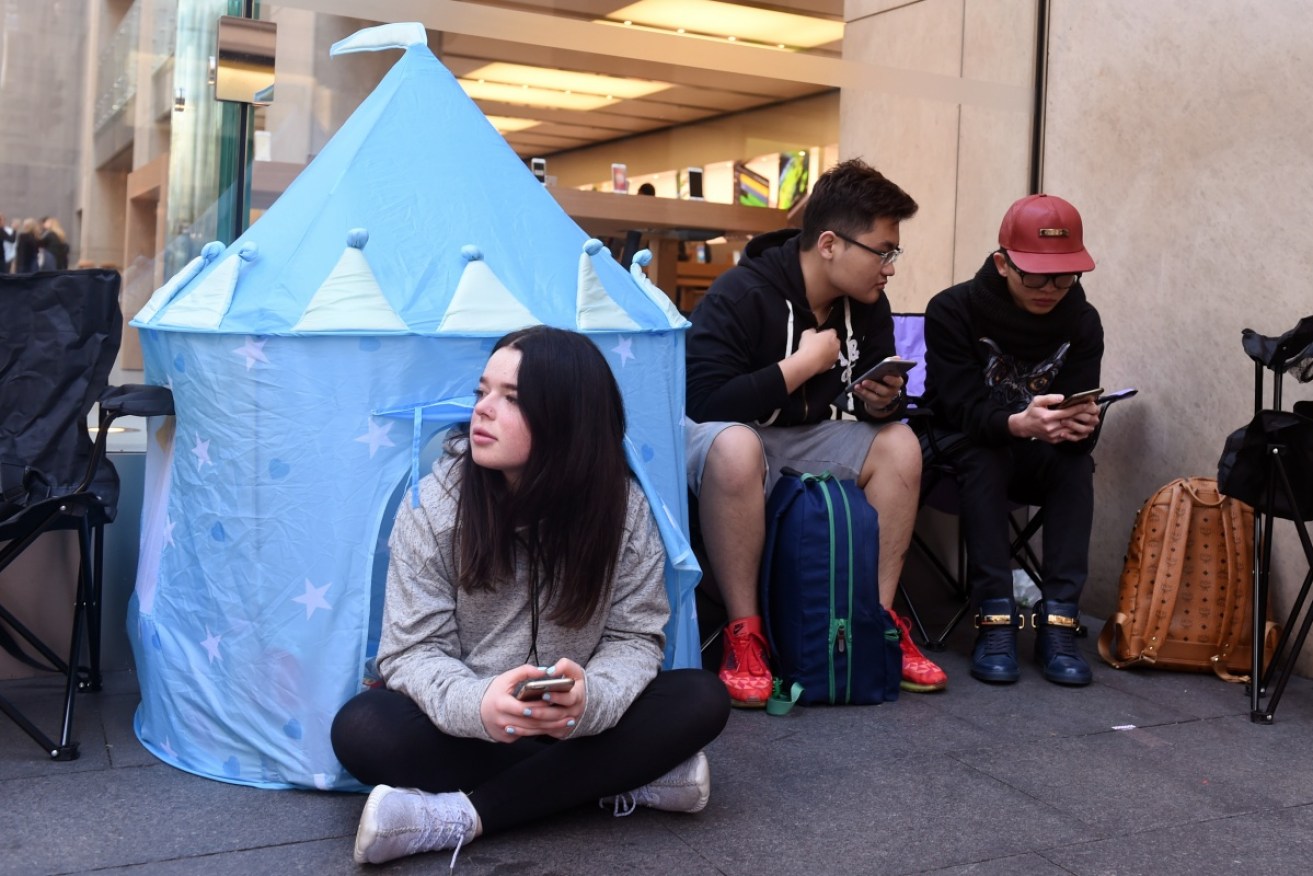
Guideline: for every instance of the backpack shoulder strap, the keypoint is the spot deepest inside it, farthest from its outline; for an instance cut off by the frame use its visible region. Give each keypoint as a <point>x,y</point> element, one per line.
<point>1166,580</point>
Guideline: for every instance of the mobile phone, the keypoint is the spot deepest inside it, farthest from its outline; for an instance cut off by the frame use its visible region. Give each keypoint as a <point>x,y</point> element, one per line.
<point>1077,397</point>
<point>539,168</point>
<point>619,179</point>
<point>891,365</point>
<point>1116,396</point>
<point>695,183</point>
<point>533,689</point>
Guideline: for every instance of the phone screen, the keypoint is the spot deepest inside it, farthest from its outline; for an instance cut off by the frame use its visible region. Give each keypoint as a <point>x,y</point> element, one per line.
<point>695,183</point>
<point>535,688</point>
<point>1077,397</point>
<point>884,367</point>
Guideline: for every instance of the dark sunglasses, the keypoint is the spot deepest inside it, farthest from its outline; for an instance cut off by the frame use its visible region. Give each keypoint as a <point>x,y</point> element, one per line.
<point>1039,281</point>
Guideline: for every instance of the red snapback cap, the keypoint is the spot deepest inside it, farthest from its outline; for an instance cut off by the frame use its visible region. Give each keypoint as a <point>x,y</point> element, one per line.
<point>1043,235</point>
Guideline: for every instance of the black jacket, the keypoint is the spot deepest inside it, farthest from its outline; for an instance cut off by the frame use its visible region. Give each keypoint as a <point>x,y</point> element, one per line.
<point>972,388</point>
<point>752,318</point>
<point>27,249</point>
<point>58,249</point>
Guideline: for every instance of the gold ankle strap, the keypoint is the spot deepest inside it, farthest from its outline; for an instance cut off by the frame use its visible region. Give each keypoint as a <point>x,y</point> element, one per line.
<point>1000,620</point>
<point>1056,620</point>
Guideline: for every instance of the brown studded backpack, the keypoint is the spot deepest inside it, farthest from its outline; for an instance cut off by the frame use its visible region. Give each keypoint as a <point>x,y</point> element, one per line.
<point>1185,600</point>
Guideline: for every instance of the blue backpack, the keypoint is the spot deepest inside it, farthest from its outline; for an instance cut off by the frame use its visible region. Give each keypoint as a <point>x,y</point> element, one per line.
<point>819,596</point>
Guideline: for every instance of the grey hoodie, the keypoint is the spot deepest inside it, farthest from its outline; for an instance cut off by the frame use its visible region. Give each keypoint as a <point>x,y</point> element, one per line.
<point>442,647</point>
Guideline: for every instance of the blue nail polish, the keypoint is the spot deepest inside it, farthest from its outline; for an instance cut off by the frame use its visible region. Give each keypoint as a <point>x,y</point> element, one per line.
<point>544,669</point>
<point>528,713</point>
<point>570,723</point>
<point>510,730</point>
<point>551,670</point>
<point>547,697</point>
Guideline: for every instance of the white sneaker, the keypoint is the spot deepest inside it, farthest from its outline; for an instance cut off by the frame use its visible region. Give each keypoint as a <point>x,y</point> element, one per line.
<point>402,821</point>
<point>686,788</point>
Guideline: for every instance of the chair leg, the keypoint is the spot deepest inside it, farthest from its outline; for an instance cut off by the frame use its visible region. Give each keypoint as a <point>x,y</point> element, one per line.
<point>956,585</point>
<point>67,748</point>
<point>95,590</point>
<point>86,621</point>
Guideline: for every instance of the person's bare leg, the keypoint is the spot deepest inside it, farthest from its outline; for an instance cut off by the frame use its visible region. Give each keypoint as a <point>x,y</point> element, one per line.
<point>891,480</point>
<point>732,508</point>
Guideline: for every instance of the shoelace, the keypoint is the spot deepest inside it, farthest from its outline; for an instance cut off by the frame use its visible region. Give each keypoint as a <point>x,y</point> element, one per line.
<point>904,628</point>
<point>1062,642</point>
<point>998,640</point>
<point>439,831</point>
<point>622,804</point>
<point>748,649</point>
<point>459,842</point>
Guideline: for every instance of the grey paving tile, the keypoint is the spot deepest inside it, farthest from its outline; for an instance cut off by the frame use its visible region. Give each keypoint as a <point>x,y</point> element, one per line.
<point>820,813</point>
<point>1013,865</point>
<point>1121,781</point>
<point>132,816</point>
<point>1274,842</point>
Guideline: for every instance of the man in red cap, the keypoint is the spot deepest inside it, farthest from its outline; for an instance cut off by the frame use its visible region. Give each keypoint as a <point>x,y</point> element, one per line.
<point>1003,350</point>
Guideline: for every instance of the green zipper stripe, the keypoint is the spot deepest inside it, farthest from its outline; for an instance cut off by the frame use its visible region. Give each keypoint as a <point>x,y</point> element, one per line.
<point>848,520</point>
<point>829,511</point>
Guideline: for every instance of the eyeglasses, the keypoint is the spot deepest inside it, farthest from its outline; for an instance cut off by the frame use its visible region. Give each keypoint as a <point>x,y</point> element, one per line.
<point>1039,281</point>
<point>886,258</point>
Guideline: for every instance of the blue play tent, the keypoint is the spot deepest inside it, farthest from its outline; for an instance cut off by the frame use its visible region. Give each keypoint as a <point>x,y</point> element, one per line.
<point>312,362</point>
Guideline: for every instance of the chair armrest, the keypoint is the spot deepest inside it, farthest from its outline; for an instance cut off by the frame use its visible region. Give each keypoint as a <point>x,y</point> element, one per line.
<point>136,400</point>
<point>1103,414</point>
<point>920,419</point>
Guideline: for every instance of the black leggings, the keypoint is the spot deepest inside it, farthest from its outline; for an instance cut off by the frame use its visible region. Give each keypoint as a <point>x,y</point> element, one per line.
<point>383,737</point>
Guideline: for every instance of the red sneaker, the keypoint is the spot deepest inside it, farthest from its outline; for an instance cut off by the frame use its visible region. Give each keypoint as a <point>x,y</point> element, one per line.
<point>920,675</point>
<point>744,669</point>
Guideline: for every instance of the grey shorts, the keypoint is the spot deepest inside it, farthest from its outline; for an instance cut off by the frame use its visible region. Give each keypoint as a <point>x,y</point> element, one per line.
<point>837,446</point>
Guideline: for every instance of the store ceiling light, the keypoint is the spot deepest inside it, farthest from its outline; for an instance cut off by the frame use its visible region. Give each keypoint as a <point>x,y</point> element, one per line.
<point>712,18</point>
<point>524,85</point>
<point>509,124</point>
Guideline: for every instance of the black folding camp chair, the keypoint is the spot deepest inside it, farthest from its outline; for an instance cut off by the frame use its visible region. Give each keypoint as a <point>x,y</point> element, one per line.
<point>59,335</point>
<point>1269,464</point>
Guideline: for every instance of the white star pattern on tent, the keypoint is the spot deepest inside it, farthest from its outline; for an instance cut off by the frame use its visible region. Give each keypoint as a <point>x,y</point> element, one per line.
<point>625,349</point>
<point>253,350</point>
<point>376,437</point>
<point>313,598</point>
<point>168,531</point>
<point>211,644</point>
<point>202,452</point>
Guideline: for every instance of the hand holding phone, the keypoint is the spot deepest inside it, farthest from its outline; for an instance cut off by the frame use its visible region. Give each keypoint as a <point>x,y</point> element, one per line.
<point>1077,398</point>
<point>534,688</point>
<point>881,369</point>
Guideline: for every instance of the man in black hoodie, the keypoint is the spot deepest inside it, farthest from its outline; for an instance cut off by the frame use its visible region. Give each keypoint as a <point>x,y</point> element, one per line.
<point>773,344</point>
<point>1002,351</point>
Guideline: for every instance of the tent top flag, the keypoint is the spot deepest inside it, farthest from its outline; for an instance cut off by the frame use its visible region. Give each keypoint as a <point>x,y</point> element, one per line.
<point>315,363</point>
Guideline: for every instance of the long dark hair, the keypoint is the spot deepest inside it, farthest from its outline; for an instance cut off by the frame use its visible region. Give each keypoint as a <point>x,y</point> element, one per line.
<point>567,511</point>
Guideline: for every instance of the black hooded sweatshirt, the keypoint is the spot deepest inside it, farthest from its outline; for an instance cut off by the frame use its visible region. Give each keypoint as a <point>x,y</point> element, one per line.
<point>751,319</point>
<point>974,387</point>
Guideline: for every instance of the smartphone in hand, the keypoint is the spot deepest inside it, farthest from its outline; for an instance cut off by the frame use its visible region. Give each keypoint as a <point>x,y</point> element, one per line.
<point>1077,398</point>
<point>890,365</point>
<point>534,688</point>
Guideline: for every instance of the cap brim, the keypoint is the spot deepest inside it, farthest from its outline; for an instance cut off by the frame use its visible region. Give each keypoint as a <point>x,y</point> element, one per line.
<point>1052,262</point>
